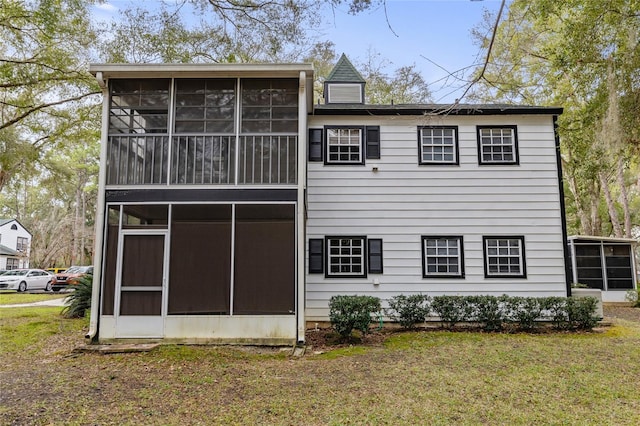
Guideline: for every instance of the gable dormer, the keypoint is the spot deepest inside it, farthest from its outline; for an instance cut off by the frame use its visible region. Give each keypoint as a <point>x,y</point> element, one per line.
<point>344,85</point>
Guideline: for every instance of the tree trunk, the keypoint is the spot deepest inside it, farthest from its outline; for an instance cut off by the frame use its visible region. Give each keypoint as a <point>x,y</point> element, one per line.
<point>623,198</point>
<point>613,213</point>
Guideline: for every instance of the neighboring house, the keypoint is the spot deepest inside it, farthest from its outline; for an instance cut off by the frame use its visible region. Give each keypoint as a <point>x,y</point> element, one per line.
<point>231,208</point>
<point>15,244</point>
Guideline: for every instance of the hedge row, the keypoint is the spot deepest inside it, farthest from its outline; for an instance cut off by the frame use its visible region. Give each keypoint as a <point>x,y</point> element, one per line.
<point>492,313</point>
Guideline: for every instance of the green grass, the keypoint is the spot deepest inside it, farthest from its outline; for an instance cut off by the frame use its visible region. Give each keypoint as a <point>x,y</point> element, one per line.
<point>14,298</point>
<point>26,329</point>
<point>435,377</point>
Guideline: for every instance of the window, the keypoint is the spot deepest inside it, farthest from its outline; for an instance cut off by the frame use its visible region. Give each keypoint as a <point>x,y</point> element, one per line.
<point>22,244</point>
<point>139,106</point>
<point>346,257</point>
<point>269,106</point>
<point>442,257</point>
<point>205,106</point>
<point>346,145</point>
<point>504,257</point>
<point>497,145</point>
<point>12,264</point>
<point>438,145</point>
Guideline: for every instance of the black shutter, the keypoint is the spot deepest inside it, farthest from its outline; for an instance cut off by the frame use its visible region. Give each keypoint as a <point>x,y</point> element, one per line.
<point>315,144</point>
<point>316,256</point>
<point>373,142</point>
<point>375,256</point>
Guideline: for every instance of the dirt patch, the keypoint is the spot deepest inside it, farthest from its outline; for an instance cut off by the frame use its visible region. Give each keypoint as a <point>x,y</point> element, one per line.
<point>621,311</point>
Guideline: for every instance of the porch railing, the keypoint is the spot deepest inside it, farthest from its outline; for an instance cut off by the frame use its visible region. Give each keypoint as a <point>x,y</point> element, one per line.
<point>202,160</point>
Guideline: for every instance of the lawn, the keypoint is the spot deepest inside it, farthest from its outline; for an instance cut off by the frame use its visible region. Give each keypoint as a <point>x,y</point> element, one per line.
<point>14,298</point>
<point>435,377</point>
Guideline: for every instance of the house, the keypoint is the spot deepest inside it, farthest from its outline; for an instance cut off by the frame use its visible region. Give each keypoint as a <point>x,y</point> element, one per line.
<point>231,208</point>
<point>15,245</point>
<point>607,264</point>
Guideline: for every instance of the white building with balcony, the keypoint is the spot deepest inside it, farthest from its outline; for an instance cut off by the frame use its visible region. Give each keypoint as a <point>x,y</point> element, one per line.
<point>232,207</point>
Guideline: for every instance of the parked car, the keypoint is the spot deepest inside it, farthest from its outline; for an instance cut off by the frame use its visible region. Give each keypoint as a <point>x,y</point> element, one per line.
<point>70,277</point>
<point>26,279</point>
<point>56,270</point>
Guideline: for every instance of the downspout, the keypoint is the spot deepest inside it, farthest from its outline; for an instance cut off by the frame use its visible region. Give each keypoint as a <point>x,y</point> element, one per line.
<point>300,207</point>
<point>563,216</point>
<point>100,214</point>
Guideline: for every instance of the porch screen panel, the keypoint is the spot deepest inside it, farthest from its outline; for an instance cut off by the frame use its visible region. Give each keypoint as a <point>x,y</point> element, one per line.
<point>142,260</point>
<point>110,261</point>
<point>141,303</point>
<point>618,263</point>
<point>138,125</point>
<point>264,260</point>
<point>589,266</point>
<point>200,265</point>
<point>109,277</point>
<point>267,151</point>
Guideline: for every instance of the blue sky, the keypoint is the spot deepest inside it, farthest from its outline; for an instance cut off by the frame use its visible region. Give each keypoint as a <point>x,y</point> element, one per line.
<point>423,32</point>
<point>438,30</point>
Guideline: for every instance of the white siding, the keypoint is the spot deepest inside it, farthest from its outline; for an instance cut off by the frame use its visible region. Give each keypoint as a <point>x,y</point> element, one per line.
<point>403,200</point>
<point>9,238</point>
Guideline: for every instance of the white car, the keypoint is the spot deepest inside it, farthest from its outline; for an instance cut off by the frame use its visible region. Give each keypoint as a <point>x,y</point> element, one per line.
<point>26,279</point>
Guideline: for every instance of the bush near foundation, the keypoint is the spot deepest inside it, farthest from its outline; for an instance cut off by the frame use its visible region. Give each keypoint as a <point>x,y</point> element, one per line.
<point>453,309</point>
<point>633,296</point>
<point>492,312</point>
<point>409,310</point>
<point>347,313</point>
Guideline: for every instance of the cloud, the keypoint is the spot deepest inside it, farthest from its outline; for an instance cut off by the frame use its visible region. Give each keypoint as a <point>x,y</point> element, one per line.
<point>106,7</point>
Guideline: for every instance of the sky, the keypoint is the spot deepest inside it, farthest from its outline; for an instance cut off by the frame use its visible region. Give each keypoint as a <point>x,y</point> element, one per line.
<point>435,35</point>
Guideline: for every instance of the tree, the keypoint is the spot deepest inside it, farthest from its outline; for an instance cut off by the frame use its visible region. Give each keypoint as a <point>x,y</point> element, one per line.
<point>583,55</point>
<point>43,78</point>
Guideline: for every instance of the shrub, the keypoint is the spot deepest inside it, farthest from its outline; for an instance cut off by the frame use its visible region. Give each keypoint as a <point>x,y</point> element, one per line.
<point>580,312</point>
<point>524,311</point>
<point>452,309</point>
<point>633,296</point>
<point>556,310</point>
<point>347,313</point>
<point>409,310</point>
<point>78,302</point>
<point>488,310</point>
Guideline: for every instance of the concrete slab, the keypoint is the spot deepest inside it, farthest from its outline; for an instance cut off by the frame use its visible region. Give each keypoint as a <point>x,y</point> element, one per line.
<point>117,348</point>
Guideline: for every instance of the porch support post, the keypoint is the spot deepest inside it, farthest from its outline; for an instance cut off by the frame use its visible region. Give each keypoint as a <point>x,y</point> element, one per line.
<point>300,207</point>
<point>100,214</point>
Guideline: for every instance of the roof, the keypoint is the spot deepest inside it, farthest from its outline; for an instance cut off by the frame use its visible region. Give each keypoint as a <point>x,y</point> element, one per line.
<point>433,109</point>
<point>6,221</point>
<point>6,251</point>
<point>603,239</point>
<point>200,70</point>
<point>345,72</point>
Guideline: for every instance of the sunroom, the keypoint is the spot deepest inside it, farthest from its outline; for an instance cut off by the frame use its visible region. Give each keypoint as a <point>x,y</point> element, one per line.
<point>202,189</point>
